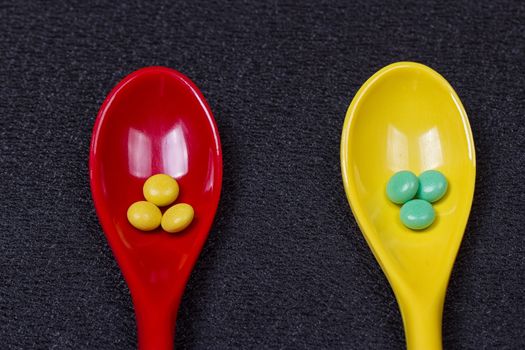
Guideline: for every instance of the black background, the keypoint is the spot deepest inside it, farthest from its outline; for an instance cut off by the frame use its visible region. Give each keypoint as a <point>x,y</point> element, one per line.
<point>285,265</point>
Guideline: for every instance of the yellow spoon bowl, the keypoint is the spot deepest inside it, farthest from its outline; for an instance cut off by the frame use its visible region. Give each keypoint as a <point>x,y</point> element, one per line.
<point>408,117</point>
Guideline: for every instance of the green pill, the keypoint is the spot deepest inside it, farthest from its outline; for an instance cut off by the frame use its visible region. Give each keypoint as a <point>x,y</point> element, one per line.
<point>417,214</point>
<point>402,186</point>
<point>432,186</point>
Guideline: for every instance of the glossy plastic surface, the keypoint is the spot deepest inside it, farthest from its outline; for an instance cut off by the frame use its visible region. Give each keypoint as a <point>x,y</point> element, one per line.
<point>407,116</point>
<point>155,121</point>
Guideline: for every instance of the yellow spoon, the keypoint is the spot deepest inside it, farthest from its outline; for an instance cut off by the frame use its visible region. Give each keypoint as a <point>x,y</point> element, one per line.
<point>407,117</point>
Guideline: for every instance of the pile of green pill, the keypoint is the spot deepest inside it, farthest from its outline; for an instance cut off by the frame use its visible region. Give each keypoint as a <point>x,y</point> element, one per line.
<point>416,194</point>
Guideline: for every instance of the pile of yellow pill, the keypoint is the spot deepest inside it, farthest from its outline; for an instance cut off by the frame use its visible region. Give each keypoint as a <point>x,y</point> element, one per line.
<point>159,191</point>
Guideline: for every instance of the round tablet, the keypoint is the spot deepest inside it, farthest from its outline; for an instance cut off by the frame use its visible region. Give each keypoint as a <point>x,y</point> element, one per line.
<point>417,214</point>
<point>144,215</point>
<point>402,186</point>
<point>432,186</point>
<point>161,190</point>
<point>177,218</point>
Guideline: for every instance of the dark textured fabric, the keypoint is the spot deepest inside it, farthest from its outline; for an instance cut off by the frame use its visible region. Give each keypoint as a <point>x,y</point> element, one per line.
<point>285,265</point>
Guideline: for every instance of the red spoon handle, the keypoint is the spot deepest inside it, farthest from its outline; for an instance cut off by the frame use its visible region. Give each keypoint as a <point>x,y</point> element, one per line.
<point>155,327</point>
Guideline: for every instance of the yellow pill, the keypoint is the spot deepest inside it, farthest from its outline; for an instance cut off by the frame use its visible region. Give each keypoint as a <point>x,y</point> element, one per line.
<point>161,190</point>
<point>144,215</point>
<point>177,218</point>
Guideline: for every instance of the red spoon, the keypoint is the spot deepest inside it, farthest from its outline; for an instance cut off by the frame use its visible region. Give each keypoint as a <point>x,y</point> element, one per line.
<point>155,121</point>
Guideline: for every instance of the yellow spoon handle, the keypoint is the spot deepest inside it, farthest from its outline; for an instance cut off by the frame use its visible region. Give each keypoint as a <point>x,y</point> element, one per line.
<point>422,322</point>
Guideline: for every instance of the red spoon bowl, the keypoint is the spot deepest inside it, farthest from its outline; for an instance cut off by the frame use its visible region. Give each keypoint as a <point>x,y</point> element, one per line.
<point>155,121</point>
